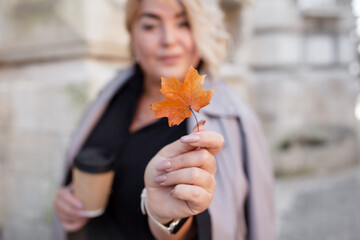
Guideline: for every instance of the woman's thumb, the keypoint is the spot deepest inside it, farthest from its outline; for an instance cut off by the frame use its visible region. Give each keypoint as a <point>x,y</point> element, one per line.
<point>176,148</point>
<point>200,127</point>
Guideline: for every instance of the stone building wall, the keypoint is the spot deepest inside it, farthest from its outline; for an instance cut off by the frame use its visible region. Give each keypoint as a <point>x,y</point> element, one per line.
<point>302,89</point>
<point>290,64</point>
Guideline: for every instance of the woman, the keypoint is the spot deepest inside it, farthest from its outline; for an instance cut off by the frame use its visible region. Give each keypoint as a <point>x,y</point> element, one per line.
<point>177,170</point>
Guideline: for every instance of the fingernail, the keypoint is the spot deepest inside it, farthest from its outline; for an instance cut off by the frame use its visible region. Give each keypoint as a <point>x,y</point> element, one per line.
<point>160,179</point>
<point>79,205</point>
<point>202,122</point>
<point>190,138</point>
<point>164,165</point>
<point>83,214</point>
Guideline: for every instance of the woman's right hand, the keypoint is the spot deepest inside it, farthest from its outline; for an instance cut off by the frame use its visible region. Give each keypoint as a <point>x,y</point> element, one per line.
<point>69,210</point>
<point>180,178</point>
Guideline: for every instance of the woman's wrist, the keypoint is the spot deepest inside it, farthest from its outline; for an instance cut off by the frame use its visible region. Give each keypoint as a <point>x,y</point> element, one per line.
<point>169,226</point>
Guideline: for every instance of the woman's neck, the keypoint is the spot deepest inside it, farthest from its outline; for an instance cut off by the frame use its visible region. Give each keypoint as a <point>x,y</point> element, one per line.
<point>152,90</point>
<point>143,114</point>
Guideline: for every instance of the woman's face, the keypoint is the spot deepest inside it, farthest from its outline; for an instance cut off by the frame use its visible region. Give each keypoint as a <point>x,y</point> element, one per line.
<point>162,40</point>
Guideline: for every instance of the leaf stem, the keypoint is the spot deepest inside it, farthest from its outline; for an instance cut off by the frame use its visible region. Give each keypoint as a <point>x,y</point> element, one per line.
<point>197,123</point>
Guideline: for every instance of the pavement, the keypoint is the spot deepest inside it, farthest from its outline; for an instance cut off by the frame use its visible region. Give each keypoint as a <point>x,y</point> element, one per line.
<point>325,206</point>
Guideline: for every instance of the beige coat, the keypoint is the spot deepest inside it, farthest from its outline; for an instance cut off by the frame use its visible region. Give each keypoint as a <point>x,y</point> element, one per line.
<point>227,207</point>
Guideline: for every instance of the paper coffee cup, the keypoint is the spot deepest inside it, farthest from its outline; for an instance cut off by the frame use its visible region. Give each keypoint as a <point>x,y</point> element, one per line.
<point>93,175</point>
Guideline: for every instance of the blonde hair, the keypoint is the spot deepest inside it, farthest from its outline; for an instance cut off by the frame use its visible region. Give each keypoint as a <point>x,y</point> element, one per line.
<point>207,26</point>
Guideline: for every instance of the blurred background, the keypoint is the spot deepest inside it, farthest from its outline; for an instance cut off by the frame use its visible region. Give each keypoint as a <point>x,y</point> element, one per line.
<point>295,61</point>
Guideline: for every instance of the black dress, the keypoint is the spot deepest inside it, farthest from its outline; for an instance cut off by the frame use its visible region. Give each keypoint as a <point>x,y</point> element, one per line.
<point>132,151</point>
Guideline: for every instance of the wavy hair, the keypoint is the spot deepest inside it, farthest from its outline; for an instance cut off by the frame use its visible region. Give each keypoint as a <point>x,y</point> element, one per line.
<point>207,26</point>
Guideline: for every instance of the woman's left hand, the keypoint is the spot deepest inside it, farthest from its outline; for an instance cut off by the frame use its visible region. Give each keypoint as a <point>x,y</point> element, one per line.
<point>180,178</point>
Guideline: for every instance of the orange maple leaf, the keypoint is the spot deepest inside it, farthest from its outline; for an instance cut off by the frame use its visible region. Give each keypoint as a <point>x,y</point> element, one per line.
<point>181,98</point>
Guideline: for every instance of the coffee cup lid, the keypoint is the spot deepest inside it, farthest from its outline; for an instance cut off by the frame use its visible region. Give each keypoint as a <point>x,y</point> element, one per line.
<point>94,160</point>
